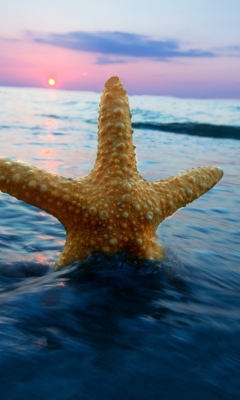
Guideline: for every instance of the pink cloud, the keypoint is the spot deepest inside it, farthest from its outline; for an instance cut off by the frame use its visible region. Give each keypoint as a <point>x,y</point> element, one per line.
<point>25,63</point>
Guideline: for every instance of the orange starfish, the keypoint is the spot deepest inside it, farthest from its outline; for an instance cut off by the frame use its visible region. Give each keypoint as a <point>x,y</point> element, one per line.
<point>113,208</point>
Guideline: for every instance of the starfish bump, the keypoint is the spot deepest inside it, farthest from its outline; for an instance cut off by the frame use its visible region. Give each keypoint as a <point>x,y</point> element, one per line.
<point>113,208</point>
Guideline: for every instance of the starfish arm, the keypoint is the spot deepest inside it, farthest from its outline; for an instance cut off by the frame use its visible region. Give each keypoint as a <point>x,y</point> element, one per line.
<point>179,190</point>
<point>39,188</point>
<point>116,151</point>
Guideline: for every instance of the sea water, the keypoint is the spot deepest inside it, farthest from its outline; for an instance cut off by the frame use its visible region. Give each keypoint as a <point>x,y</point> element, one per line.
<point>113,327</point>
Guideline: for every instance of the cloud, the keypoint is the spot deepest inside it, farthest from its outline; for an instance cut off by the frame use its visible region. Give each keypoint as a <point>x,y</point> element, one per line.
<point>108,59</point>
<point>114,47</point>
<point>229,51</point>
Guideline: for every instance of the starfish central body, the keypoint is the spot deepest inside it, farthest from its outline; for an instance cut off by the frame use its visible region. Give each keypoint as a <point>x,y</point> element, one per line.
<point>113,208</point>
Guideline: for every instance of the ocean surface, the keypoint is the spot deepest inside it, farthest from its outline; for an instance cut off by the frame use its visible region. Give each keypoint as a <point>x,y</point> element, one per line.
<point>112,328</point>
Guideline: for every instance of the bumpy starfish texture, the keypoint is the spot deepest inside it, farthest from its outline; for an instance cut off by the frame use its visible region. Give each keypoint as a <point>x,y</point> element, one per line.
<point>113,208</point>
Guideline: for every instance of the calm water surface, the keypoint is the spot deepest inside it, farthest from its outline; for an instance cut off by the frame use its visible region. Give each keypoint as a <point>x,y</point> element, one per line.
<point>118,328</point>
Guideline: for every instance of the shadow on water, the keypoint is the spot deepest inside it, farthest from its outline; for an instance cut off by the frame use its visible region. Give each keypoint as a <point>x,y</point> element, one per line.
<point>121,289</point>
<point>112,327</point>
<point>91,301</point>
<point>95,302</point>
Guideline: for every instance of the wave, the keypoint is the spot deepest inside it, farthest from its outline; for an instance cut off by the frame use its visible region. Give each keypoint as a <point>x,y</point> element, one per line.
<point>53,116</point>
<point>191,128</point>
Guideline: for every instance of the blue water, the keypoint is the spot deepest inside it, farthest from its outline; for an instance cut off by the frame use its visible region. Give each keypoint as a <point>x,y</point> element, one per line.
<point>119,328</point>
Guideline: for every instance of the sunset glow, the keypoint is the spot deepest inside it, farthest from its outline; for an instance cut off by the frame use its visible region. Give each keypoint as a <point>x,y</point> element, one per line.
<point>174,58</point>
<point>51,82</point>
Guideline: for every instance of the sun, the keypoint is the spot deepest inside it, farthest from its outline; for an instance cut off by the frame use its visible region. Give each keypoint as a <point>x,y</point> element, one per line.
<point>51,82</point>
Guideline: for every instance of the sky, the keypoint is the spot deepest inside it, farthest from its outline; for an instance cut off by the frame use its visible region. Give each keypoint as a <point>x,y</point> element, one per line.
<point>182,48</point>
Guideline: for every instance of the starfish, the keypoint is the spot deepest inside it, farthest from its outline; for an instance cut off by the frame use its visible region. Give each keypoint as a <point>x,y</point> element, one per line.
<point>113,208</point>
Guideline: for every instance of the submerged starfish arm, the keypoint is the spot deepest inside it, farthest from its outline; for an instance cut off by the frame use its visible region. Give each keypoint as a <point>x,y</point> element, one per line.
<point>39,188</point>
<point>181,189</point>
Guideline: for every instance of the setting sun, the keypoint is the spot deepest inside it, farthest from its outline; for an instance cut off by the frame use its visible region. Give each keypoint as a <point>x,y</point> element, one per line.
<point>51,82</point>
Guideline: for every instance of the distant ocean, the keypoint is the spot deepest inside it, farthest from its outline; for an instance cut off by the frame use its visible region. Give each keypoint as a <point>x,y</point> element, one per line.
<point>120,329</point>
